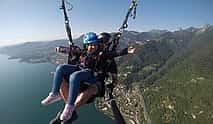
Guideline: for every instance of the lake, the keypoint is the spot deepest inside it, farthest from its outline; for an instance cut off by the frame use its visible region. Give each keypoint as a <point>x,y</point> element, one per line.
<point>24,85</point>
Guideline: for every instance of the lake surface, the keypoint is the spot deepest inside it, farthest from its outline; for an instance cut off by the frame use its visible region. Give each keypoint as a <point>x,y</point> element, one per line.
<point>24,85</point>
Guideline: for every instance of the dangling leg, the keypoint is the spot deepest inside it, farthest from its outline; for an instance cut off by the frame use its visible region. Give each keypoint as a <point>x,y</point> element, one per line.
<point>74,84</point>
<point>84,96</point>
<point>61,71</point>
<point>64,90</point>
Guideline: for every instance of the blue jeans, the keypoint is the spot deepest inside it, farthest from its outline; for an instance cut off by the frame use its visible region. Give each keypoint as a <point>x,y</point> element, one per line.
<point>76,76</point>
<point>75,79</point>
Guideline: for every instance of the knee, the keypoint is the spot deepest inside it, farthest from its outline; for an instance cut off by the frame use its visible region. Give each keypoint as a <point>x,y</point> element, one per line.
<point>60,68</point>
<point>86,94</point>
<point>74,77</point>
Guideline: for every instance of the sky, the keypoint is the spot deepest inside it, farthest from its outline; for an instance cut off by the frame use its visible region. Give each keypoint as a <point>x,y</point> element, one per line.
<point>42,20</point>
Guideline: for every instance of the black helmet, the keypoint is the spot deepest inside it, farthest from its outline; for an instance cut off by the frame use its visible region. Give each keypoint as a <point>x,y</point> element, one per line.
<point>104,37</point>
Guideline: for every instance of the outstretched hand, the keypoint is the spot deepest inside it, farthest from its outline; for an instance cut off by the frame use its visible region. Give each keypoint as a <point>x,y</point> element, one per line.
<point>131,50</point>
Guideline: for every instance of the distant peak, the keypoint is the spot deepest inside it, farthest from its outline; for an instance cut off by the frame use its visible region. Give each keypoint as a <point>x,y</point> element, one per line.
<point>192,29</point>
<point>158,31</point>
<point>206,27</point>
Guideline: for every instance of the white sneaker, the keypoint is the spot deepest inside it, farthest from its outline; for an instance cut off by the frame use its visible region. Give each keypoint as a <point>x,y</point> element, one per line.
<point>51,98</point>
<point>67,112</point>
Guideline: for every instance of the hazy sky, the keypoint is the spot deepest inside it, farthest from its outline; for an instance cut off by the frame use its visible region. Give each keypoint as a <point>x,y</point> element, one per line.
<point>39,20</point>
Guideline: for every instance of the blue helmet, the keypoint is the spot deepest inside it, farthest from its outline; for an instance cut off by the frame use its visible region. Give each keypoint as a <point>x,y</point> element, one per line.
<point>90,37</point>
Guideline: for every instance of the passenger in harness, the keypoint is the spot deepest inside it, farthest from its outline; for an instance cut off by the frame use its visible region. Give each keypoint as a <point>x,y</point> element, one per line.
<point>77,74</point>
<point>106,64</point>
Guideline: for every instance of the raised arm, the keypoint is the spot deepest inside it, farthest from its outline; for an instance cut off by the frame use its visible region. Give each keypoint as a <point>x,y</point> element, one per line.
<point>113,54</point>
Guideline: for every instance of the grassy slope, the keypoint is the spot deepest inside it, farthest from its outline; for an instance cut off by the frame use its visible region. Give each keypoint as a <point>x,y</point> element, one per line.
<point>185,93</point>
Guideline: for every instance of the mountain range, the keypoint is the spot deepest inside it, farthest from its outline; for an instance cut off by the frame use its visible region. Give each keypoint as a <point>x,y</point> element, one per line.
<point>172,70</point>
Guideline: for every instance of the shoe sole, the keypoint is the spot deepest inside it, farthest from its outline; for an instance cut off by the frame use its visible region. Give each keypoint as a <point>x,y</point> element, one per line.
<point>53,101</point>
<point>72,119</point>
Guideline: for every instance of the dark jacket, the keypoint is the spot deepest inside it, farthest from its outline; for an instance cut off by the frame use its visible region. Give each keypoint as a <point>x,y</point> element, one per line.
<point>106,62</point>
